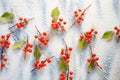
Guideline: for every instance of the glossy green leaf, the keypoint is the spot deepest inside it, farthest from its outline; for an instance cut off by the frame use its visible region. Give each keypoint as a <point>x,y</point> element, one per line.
<point>91,66</point>
<point>37,52</point>
<point>18,44</point>
<point>7,17</point>
<point>108,35</point>
<point>82,43</point>
<point>55,13</point>
<point>63,65</point>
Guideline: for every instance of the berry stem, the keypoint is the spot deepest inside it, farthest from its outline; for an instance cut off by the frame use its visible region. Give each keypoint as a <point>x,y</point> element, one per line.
<point>2,51</point>
<point>20,23</point>
<point>44,61</point>
<point>38,30</point>
<point>67,51</point>
<point>27,41</point>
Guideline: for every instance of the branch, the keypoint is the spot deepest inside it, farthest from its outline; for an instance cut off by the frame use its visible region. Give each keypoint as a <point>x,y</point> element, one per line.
<point>38,30</point>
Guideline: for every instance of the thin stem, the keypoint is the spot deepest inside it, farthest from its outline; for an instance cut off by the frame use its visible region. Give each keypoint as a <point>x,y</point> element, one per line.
<point>27,41</point>
<point>44,61</point>
<point>38,30</point>
<point>65,44</point>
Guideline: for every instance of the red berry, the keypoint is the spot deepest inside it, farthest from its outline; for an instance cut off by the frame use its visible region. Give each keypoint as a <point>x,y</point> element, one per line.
<point>71,73</point>
<point>115,27</point>
<point>70,48</point>
<point>20,18</point>
<point>8,35</point>
<point>44,33</point>
<point>26,20</point>
<point>5,59</point>
<point>95,32</point>
<point>3,65</point>
<point>53,21</point>
<point>97,58</point>
<point>60,19</point>
<point>93,55</point>
<point>2,36</point>
<point>64,23</point>
<point>18,25</point>
<point>22,24</point>
<point>36,36</point>
<point>88,60</point>
<point>81,37</point>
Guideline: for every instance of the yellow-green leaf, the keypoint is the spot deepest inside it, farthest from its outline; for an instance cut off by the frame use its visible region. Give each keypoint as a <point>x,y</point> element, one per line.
<point>63,65</point>
<point>37,52</point>
<point>91,66</point>
<point>108,35</point>
<point>18,44</point>
<point>7,17</point>
<point>55,13</point>
<point>82,43</point>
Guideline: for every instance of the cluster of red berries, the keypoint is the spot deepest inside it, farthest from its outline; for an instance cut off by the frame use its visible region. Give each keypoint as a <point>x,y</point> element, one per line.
<point>89,35</point>
<point>117,29</point>
<point>79,14</point>
<point>4,42</point>
<point>42,38</point>
<point>66,54</point>
<point>28,48</point>
<point>94,58</point>
<point>22,22</point>
<point>4,60</point>
<point>40,64</point>
<point>60,24</point>
<point>63,75</point>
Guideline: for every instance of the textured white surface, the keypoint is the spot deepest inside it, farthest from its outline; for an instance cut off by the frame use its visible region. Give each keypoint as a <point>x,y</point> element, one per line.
<point>103,15</point>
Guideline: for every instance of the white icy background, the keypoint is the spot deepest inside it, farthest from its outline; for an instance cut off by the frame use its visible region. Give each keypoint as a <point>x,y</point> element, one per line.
<point>103,15</point>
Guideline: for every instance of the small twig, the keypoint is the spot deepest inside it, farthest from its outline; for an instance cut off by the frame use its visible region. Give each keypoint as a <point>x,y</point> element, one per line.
<point>44,61</point>
<point>65,44</point>
<point>38,30</point>
<point>27,41</point>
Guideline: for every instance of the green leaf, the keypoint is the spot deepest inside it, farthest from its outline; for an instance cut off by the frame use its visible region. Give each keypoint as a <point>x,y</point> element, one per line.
<point>55,13</point>
<point>82,43</point>
<point>37,52</point>
<point>108,35</point>
<point>7,17</point>
<point>91,66</point>
<point>18,44</point>
<point>63,65</point>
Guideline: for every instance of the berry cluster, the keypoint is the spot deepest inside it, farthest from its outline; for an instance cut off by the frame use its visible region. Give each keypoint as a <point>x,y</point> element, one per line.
<point>66,54</point>
<point>117,29</point>
<point>89,35</point>
<point>94,58</point>
<point>40,64</point>
<point>22,22</point>
<point>28,48</point>
<point>79,15</point>
<point>3,60</point>
<point>59,24</point>
<point>66,57</point>
<point>42,38</point>
<point>4,42</point>
<point>63,75</point>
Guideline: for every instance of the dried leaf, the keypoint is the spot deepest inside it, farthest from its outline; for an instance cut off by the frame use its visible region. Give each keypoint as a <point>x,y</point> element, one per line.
<point>7,17</point>
<point>55,13</point>
<point>91,66</point>
<point>108,35</point>
<point>18,44</point>
<point>37,52</point>
<point>82,43</point>
<point>63,65</point>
